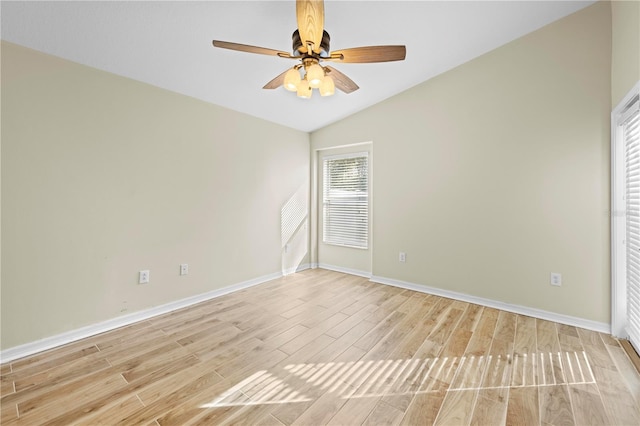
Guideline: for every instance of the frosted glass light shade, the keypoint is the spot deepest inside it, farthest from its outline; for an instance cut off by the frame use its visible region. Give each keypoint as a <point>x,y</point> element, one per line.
<point>328,87</point>
<point>304,91</point>
<point>315,75</point>
<point>292,80</point>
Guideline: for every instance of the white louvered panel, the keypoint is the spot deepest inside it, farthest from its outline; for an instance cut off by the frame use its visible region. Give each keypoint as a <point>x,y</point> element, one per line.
<point>346,200</point>
<point>631,132</point>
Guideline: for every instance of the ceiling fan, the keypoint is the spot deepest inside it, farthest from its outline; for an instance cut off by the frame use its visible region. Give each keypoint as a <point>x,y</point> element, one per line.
<point>311,47</point>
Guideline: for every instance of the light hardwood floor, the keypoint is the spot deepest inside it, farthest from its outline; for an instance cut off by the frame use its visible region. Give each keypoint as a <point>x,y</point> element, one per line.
<point>320,347</point>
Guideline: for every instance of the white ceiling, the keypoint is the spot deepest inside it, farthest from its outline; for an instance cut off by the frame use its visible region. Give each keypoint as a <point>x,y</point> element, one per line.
<point>168,44</point>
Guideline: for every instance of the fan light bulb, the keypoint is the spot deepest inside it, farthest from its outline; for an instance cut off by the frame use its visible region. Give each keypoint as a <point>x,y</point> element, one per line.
<point>315,75</point>
<point>328,87</point>
<point>292,80</point>
<point>304,91</point>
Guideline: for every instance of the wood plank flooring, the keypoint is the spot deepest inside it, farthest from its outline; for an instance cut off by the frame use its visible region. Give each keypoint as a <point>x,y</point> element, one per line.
<point>321,347</point>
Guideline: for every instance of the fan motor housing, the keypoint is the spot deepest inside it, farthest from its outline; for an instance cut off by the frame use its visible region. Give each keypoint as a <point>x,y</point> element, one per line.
<point>324,44</point>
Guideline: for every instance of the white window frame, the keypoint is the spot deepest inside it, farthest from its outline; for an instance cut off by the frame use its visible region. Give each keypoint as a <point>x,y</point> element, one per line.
<point>339,157</point>
<point>618,218</point>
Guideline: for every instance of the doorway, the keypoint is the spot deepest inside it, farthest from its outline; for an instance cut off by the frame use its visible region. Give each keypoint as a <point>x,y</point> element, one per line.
<point>343,182</point>
<point>625,218</point>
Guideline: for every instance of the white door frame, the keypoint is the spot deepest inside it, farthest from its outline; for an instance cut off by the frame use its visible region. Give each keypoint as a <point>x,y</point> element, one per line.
<point>315,207</point>
<point>618,220</point>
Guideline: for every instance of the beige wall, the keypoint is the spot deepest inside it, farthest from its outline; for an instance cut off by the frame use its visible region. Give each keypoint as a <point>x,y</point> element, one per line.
<point>625,55</point>
<point>103,176</point>
<point>489,176</point>
<point>495,174</point>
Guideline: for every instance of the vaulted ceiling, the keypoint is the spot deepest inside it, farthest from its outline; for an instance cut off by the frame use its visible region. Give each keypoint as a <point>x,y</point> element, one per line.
<point>168,44</point>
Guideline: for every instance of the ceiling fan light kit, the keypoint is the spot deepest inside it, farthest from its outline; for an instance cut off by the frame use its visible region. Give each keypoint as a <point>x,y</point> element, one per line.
<point>328,87</point>
<point>315,74</point>
<point>315,78</point>
<point>304,90</point>
<point>311,46</point>
<point>292,79</point>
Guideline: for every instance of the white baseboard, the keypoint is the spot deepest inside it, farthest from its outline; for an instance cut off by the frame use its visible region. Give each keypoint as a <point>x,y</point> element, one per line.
<point>349,271</point>
<point>304,267</point>
<point>298,268</point>
<point>517,309</point>
<point>31,348</point>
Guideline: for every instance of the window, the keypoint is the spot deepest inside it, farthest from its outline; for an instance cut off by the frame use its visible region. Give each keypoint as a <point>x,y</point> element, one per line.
<point>625,220</point>
<point>631,139</point>
<point>345,200</point>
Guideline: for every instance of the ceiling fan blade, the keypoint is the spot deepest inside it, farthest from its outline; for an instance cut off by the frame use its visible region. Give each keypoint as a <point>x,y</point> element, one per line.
<point>250,49</point>
<point>276,82</point>
<point>342,82</point>
<point>310,15</point>
<point>369,54</point>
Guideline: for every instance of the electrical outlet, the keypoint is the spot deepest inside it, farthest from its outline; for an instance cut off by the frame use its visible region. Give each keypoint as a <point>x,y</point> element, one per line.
<point>184,268</point>
<point>143,277</point>
<point>402,257</point>
<point>556,279</point>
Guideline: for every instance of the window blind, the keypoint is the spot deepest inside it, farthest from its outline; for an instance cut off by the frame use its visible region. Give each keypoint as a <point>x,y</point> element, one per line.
<point>345,200</point>
<point>631,138</point>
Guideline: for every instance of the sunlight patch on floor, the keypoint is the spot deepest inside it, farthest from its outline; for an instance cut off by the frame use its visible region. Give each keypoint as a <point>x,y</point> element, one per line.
<point>373,378</point>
